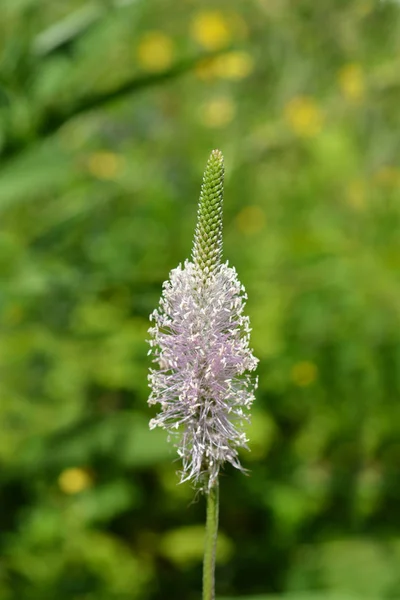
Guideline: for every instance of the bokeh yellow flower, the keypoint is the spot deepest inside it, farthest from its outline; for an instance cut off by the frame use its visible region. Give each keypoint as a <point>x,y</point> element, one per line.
<point>304,116</point>
<point>74,480</point>
<point>105,165</point>
<point>155,51</point>
<point>352,82</point>
<point>211,29</point>
<point>388,177</point>
<point>356,194</point>
<point>251,219</point>
<point>231,65</point>
<point>364,7</point>
<point>218,112</point>
<point>304,373</point>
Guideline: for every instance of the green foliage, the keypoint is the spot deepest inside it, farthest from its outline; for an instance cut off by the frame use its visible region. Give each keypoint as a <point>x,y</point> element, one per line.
<point>108,112</point>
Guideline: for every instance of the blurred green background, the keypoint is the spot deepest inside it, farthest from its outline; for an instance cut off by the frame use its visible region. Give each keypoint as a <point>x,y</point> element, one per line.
<point>108,112</point>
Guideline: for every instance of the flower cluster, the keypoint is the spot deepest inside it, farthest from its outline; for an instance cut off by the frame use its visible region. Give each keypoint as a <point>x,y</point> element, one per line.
<point>200,343</point>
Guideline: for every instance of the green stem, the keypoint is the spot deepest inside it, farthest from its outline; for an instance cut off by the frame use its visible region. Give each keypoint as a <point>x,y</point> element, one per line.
<point>210,544</point>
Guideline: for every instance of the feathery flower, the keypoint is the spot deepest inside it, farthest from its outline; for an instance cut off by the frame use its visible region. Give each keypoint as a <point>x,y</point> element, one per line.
<point>200,342</point>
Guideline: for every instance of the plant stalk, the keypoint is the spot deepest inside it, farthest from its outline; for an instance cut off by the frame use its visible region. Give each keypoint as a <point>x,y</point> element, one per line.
<point>210,543</point>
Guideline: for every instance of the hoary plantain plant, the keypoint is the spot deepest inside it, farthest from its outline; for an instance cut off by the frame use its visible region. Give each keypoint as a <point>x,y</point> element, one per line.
<point>200,345</point>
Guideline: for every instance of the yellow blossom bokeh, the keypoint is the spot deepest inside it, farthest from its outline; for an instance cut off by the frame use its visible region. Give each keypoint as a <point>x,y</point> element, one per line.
<point>155,51</point>
<point>74,480</point>
<point>211,29</point>
<point>364,7</point>
<point>388,177</point>
<point>352,82</point>
<point>356,194</point>
<point>304,373</point>
<point>304,116</point>
<point>218,112</point>
<point>230,65</point>
<point>105,165</point>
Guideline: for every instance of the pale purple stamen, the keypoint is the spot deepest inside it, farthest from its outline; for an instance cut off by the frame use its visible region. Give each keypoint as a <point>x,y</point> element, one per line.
<point>200,343</point>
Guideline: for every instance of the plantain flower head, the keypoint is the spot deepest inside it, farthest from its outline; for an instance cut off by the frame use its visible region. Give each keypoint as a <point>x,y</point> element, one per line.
<point>199,341</point>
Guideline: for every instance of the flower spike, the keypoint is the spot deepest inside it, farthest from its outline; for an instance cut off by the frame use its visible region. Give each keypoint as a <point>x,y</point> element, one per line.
<point>200,345</point>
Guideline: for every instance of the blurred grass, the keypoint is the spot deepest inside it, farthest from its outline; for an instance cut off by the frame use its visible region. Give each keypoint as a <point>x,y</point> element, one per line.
<point>308,596</point>
<point>108,111</point>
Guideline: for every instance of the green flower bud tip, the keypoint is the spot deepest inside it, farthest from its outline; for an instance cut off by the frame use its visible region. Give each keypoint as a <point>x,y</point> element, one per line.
<point>207,246</point>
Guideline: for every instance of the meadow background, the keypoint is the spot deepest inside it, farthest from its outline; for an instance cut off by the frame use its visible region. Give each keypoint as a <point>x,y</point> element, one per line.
<point>108,112</point>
